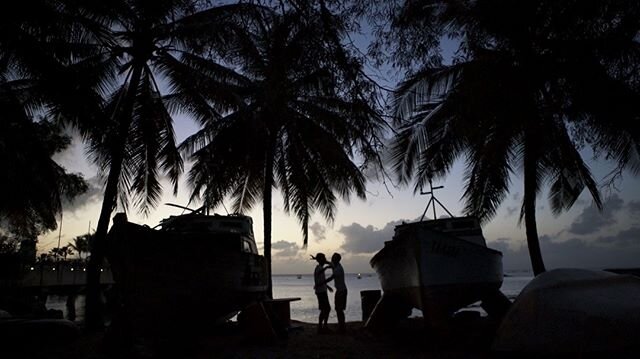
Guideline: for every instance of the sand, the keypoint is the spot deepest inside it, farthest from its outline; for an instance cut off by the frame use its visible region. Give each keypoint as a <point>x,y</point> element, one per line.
<point>408,339</point>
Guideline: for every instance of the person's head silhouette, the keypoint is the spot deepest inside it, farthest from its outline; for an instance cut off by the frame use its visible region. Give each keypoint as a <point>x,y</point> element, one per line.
<point>320,258</point>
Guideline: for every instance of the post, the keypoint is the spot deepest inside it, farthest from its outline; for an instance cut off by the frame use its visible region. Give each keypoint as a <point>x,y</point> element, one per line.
<point>71,307</point>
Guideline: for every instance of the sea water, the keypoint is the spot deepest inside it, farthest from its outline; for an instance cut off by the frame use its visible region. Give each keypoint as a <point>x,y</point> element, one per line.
<point>306,309</point>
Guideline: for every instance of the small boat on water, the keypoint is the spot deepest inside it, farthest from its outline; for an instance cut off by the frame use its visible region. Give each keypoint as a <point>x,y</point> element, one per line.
<point>194,267</point>
<point>437,266</point>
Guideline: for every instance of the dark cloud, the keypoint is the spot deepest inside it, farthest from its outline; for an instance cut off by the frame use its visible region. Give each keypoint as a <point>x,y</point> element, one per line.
<point>92,195</point>
<point>592,220</point>
<point>285,249</point>
<point>359,239</point>
<point>624,239</point>
<point>620,250</point>
<point>581,202</point>
<point>511,211</point>
<point>319,231</point>
<point>633,207</point>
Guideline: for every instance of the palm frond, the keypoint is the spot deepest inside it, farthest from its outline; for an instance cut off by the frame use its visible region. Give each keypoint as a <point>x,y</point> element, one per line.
<point>424,90</point>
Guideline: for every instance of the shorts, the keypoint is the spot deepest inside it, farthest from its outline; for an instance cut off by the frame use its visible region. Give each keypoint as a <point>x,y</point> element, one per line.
<point>323,301</point>
<point>341,299</point>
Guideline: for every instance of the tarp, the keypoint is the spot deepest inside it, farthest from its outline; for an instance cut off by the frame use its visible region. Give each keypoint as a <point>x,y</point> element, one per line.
<point>574,310</point>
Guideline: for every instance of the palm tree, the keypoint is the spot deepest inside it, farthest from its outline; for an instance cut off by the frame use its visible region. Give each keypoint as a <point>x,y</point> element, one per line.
<point>300,117</point>
<point>149,44</point>
<point>536,82</point>
<point>81,244</point>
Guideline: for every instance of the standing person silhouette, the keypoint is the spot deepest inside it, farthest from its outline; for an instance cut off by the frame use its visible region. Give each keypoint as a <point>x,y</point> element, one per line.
<point>321,287</point>
<point>340,299</point>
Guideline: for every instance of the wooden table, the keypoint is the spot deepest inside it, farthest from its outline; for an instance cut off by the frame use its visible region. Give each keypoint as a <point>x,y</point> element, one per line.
<point>280,310</point>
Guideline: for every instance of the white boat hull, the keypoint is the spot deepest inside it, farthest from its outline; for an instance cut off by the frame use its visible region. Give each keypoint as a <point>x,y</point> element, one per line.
<point>436,272</point>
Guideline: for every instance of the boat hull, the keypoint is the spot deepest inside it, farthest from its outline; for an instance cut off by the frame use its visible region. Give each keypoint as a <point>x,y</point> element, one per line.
<point>436,272</point>
<point>573,310</point>
<point>169,278</point>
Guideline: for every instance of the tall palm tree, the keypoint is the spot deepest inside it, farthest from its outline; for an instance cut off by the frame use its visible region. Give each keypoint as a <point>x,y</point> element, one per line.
<point>537,80</point>
<point>150,44</point>
<point>300,117</point>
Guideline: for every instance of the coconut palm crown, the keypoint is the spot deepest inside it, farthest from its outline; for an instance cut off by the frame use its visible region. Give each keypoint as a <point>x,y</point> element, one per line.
<point>150,47</point>
<point>534,81</point>
<point>301,118</point>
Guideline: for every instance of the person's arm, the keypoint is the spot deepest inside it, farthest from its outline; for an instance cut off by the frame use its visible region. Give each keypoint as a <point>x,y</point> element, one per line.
<point>327,280</point>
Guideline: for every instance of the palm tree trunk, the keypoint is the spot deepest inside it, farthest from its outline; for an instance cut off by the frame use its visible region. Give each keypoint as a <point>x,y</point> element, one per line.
<point>266,214</point>
<point>93,309</point>
<point>533,242</point>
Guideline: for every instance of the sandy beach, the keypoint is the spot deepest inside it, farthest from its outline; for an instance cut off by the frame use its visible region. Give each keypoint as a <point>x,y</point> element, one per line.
<point>407,340</point>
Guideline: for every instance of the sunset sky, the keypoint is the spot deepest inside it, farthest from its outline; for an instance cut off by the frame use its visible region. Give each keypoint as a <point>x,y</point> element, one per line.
<point>582,237</point>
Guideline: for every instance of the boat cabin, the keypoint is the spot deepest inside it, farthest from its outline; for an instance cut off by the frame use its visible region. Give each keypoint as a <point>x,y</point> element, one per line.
<point>466,228</point>
<point>229,229</point>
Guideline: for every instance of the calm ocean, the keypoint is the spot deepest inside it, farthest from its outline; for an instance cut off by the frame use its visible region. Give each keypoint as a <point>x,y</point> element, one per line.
<point>306,309</point>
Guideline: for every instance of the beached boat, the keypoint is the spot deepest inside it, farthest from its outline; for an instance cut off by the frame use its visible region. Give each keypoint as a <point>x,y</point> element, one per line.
<point>438,266</point>
<point>194,267</point>
<point>574,310</point>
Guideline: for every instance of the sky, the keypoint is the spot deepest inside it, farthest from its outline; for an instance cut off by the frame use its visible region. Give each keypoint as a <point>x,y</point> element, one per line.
<point>582,237</point>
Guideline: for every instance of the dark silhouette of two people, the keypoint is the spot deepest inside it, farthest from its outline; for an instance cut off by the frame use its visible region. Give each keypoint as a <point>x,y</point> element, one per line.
<point>321,287</point>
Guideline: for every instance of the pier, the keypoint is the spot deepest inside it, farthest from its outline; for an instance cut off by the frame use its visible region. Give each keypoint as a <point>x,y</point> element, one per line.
<point>54,278</point>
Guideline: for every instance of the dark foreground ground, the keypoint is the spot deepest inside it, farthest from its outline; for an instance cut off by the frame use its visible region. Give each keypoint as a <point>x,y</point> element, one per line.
<point>468,338</point>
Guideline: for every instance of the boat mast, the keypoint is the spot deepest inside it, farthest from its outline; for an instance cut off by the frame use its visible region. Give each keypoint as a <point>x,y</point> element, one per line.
<point>433,200</point>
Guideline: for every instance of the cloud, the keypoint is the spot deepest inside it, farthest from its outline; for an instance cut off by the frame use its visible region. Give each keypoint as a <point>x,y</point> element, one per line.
<point>516,196</point>
<point>619,250</point>
<point>591,220</point>
<point>633,207</point>
<point>369,239</point>
<point>285,249</point>
<point>511,211</point>
<point>92,195</point>
<point>319,231</point>
<point>624,239</point>
<point>580,202</point>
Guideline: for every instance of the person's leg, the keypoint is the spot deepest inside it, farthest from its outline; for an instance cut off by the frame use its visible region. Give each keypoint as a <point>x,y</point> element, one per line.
<point>321,315</point>
<point>341,305</point>
<point>325,308</point>
<point>325,319</point>
<point>341,322</point>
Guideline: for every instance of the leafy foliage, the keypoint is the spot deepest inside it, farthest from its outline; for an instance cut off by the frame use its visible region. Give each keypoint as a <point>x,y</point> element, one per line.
<point>299,100</point>
<point>34,50</point>
<point>534,82</point>
<point>31,182</point>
